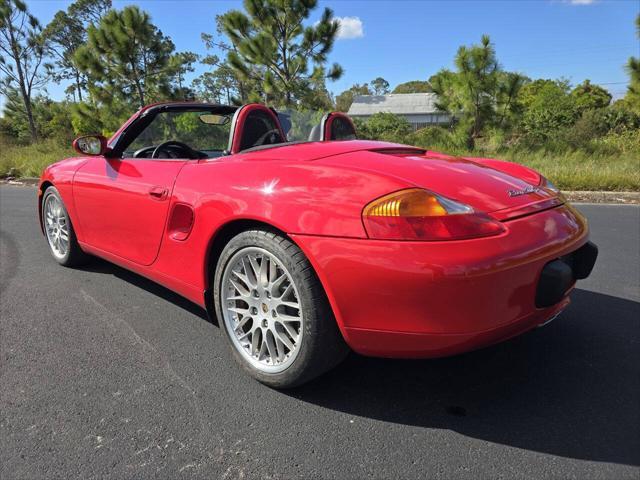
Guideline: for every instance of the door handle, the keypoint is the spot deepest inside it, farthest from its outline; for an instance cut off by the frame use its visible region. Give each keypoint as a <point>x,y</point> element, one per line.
<point>158,193</point>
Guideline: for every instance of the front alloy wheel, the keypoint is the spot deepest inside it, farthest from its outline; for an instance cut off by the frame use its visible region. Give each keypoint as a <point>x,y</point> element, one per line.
<point>58,230</point>
<point>56,226</point>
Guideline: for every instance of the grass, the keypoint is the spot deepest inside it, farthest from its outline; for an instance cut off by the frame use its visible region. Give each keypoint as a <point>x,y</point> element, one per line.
<point>576,170</point>
<point>580,171</point>
<point>30,160</point>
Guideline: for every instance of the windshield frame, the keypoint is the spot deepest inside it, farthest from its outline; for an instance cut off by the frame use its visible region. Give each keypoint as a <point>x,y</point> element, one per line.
<point>145,116</point>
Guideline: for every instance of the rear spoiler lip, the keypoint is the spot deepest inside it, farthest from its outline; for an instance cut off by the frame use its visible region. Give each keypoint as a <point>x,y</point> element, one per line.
<point>519,211</point>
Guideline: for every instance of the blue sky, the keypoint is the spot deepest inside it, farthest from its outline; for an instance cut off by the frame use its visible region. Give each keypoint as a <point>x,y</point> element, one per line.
<point>407,40</point>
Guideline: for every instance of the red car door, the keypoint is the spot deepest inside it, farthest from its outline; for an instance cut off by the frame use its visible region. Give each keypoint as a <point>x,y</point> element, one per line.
<point>122,204</point>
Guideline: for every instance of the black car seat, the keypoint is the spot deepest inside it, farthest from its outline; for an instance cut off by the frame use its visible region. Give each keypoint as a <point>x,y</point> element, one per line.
<point>259,129</point>
<point>341,129</point>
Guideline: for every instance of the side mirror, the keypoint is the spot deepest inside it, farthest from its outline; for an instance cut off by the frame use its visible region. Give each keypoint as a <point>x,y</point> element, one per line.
<point>90,145</point>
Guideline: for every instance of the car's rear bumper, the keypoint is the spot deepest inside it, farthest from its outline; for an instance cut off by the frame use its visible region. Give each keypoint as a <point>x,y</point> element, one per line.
<point>427,299</point>
<point>380,343</point>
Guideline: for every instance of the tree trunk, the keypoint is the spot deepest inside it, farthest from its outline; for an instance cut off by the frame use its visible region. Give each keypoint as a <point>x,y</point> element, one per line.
<point>243,97</point>
<point>78,87</point>
<point>471,143</point>
<point>27,105</point>
<point>140,93</point>
<point>26,95</point>
<point>136,81</point>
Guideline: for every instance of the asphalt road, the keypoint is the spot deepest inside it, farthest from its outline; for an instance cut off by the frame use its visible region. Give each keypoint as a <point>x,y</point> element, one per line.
<point>105,374</point>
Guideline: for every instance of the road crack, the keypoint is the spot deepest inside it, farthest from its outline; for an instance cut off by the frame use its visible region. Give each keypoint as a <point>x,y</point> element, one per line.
<point>151,353</point>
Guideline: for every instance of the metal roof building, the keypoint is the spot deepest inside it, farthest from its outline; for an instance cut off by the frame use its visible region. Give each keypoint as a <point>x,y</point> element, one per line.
<point>419,109</point>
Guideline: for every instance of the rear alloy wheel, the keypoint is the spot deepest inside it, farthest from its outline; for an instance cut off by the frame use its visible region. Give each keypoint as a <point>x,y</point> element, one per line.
<point>59,232</point>
<point>262,309</point>
<point>274,311</point>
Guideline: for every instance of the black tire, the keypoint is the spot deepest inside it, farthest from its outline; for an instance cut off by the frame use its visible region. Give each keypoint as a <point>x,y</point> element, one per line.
<point>74,255</point>
<point>321,346</point>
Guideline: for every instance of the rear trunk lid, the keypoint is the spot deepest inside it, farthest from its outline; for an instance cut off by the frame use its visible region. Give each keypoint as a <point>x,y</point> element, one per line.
<point>483,187</point>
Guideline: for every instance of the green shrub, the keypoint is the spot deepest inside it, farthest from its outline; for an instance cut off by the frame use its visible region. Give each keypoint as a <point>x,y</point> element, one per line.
<point>589,126</point>
<point>429,136</point>
<point>589,96</point>
<point>383,126</point>
<point>439,139</point>
<point>53,119</point>
<point>549,110</point>
<point>624,143</point>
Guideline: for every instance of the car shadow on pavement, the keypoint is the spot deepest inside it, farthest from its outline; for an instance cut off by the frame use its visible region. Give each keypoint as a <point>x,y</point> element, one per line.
<point>570,389</point>
<point>97,265</point>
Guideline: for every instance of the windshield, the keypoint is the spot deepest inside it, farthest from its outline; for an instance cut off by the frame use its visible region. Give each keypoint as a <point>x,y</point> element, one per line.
<point>202,131</point>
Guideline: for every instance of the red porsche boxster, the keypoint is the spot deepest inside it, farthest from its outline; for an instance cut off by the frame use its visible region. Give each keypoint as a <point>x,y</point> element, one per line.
<point>307,244</point>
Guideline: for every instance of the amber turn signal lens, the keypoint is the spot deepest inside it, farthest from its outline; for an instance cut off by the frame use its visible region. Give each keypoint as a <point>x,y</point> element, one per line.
<point>414,202</point>
<point>416,214</point>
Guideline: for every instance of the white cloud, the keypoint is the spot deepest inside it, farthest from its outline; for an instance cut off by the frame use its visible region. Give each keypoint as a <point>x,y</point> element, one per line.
<point>581,2</point>
<point>350,27</point>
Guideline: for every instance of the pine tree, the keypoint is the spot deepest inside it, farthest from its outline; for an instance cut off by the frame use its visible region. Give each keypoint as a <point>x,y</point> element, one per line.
<point>67,32</point>
<point>274,48</point>
<point>479,93</point>
<point>345,99</point>
<point>179,65</point>
<point>127,55</point>
<point>633,67</point>
<point>413,86</point>
<point>22,55</point>
<point>380,86</point>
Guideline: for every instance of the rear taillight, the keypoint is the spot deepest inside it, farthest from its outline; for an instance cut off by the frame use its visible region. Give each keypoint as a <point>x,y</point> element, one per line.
<point>416,214</point>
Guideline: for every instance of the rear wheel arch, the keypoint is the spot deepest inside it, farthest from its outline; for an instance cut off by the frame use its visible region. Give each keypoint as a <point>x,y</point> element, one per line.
<point>220,239</point>
<point>318,345</point>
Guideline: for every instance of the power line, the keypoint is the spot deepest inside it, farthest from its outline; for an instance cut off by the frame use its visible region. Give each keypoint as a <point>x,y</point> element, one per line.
<point>579,63</point>
<point>547,53</point>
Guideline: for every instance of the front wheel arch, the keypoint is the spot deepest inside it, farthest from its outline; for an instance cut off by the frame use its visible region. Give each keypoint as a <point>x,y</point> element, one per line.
<point>73,254</point>
<point>41,189</point>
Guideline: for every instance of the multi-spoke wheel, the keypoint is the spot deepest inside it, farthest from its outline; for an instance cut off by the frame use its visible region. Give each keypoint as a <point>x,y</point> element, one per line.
<point>261,309</point>
<point>274,310</point>
<point>56,226</point>
<point>59,231</point>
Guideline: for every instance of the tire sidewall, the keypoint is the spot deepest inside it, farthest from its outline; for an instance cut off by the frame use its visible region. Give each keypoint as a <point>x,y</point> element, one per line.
<point>53,191</point>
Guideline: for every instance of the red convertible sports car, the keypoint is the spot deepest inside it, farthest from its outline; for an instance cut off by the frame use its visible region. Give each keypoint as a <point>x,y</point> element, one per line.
<point>304,249</point>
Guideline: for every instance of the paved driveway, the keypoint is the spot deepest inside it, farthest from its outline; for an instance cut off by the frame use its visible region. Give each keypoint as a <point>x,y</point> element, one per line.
<point>105,374</point>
